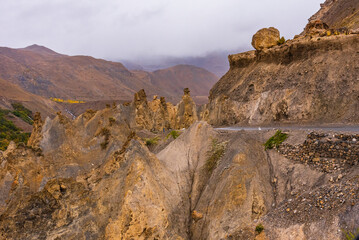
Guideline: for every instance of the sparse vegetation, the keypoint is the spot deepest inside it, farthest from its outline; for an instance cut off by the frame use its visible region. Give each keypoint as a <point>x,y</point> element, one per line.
<point>214,154</point>
<point>66,101</point>
<point>22,112</point>
<point>151,141</point>
<point>281,41</point>
<point>351,235</point>
<point>106,133</point>
<point>111,120</point>
<point>89,114</point>
<point>9,132</point>
<point>275,140</point>
<point>174,134</point>
<point>259,228</point>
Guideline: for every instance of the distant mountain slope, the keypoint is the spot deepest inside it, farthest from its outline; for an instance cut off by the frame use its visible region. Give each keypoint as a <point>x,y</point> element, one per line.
<point>216,62</point>
<point>175,79</point>
<point>339,13</point>
<point>10,93</point>
<point>44,72</point>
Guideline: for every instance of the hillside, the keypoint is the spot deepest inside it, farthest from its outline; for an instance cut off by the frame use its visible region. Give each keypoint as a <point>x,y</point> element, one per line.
<point>204,184</point>
<point>44,72</point>
<point>339,13</point>
<point>312,79</point>
<point>10,93</point>
<point>174,79</point>
<point>215,62</point>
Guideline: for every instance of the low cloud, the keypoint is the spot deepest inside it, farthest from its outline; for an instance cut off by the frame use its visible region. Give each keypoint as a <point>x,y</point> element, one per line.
<point>124,29</point>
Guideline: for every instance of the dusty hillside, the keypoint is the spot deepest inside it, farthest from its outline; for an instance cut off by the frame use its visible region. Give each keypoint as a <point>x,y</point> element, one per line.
<point>339,13</point>
<point>10,93</point>
<point>46,73</point>
<point>311,79</point>
<point>176,78</point>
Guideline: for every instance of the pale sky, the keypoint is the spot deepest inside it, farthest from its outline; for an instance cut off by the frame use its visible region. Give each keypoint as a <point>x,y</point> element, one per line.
<point>130,29</point>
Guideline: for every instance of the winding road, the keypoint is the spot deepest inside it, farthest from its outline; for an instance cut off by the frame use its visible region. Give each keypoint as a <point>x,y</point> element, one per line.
<point>343,128</point>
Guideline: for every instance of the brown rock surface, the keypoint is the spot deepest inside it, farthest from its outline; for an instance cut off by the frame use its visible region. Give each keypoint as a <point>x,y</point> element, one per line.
<point>36,134</point>
<point>126,192</point>
<point>303,81</point>
<point>40,71</point>
<point>265,38</point>
<point>339,13</point>
<point>316,27</point>
<point>186,111</point>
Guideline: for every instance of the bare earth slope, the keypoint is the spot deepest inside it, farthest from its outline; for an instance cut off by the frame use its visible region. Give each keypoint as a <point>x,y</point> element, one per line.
<point>10,93</point>
<point>174,79</point>
<point>306,80</point>
<point>44,72</point>
<point>339,13</point>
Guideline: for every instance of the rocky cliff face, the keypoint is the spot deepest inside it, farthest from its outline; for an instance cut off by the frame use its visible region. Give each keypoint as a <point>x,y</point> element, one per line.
<point>309,79</point>
<point>339,13</point>
<point>203,185</point>
<point>95,178</point>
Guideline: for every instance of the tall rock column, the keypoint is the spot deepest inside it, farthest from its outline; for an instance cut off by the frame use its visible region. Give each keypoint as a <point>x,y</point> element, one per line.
<point>36,136</point>
<point>143,115</point>
<point>186,111</point>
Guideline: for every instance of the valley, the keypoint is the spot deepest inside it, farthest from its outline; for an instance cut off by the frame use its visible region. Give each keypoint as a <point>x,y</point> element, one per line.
<point>271,154</point>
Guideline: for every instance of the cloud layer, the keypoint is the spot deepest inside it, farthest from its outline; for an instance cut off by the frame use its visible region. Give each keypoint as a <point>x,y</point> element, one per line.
<point>130,29</point>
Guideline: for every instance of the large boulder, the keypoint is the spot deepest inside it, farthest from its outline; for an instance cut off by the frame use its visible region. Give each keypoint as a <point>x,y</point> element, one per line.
<point>265,38</point>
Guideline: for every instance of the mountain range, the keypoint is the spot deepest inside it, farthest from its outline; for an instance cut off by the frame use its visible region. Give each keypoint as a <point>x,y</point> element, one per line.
<point>48,74</point>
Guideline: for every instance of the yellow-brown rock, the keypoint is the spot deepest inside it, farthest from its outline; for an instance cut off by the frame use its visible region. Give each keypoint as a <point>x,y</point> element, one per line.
<point>36,135</point>
<point>265,38</point>
<point>186,111</point>
<point>143,114</point>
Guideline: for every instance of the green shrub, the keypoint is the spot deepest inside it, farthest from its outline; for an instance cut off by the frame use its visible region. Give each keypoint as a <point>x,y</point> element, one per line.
<point>214,154</point>
<point>275,140</point>
<point>22,112</point>
<point>351,235</point>
<point>151,141</point>
<point>9,132</point>
<point>174,134</point>
<point>106,133</point>
<point>281,41</point>
<point>259,228</point>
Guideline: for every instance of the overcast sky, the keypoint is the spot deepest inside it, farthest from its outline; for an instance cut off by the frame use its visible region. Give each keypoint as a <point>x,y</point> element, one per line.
<point>128,29</point>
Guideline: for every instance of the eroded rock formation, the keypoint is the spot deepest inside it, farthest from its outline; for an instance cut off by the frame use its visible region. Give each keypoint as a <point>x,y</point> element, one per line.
<point>127,192</point>
<point>306,80</point>
<point>158,114</point>
<point>339,13</point>
<point>186,111</point>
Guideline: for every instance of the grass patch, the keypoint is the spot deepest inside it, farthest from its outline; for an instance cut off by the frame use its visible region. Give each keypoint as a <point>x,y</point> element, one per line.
<point>259,228</point>
<point>174,134</point>
<point>275,140</point>
<point>9,132</point>
<point>22,112</point>
<point>151,141</point>
<point>214,154</point>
